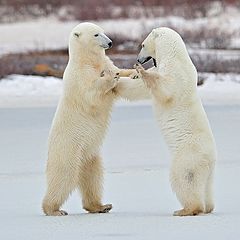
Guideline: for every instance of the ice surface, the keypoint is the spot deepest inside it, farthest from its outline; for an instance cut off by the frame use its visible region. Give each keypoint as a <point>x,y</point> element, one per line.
<point>136,181</point>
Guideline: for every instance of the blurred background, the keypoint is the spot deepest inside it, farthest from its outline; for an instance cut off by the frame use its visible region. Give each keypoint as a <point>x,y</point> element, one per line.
<point>34,34</point>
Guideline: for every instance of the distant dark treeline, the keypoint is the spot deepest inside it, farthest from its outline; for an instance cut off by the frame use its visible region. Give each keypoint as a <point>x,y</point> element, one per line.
<point>105,9</point>
<point>114,2</point>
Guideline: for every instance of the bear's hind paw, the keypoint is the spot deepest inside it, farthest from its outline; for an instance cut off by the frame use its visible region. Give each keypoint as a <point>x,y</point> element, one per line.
<point>57,213</point>
<point>100,209</point>
<point>187,212</point>
<point>106,208</point>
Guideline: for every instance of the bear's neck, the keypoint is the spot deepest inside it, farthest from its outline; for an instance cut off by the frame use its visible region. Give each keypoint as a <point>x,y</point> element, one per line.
<point>84,56</point>
<point>168,59</point>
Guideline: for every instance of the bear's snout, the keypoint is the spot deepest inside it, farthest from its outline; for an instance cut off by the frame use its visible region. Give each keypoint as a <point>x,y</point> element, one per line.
<point>110,44</point>
<point>143,60</point>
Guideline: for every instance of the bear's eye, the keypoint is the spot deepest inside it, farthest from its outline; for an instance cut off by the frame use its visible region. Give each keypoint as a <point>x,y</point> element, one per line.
<point>76,34</point>
<point>143,45</point>
<point>96,35</point>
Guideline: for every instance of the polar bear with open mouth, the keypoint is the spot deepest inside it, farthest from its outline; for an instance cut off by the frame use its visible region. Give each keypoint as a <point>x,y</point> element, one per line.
<point>182,119</point>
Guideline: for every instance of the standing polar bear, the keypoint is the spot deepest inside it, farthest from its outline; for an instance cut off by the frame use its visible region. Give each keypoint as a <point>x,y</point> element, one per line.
<point>182,119</point>
<point>90,85</point>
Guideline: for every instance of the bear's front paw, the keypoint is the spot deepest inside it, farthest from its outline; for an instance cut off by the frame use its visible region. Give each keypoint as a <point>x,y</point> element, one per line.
<point>117,76</point>
<point>111,83</point>
<point>102,73</point>
<point>139,68</point>
<point>105,74</point>
<point>134,75</point>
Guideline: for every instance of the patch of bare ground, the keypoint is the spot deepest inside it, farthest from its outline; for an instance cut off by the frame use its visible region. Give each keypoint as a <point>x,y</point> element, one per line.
<point>53,63</point>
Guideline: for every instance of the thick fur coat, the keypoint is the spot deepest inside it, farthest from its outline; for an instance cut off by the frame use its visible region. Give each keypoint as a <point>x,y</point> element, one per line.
<point>182,119</point>
<point>91,85</point>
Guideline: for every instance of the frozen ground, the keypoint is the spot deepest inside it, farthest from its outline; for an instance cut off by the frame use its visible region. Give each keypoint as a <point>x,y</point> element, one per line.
<point>136,182</point>
<point>49,33</point>
<point>29,91</point>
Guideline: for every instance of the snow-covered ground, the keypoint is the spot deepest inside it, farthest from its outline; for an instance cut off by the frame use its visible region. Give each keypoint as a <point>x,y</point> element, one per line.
<point>27,91</point>
<point>30,91</point>
<point>220,88</point>
<point>49,33</point>
<point>136,181</point>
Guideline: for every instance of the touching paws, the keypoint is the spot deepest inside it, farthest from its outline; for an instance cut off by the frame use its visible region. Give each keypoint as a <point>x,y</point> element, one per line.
<point>137,73</point>
<point>139,68</point>
<point>149,78</point>
<point>134,74</point>
<point>109,80</point>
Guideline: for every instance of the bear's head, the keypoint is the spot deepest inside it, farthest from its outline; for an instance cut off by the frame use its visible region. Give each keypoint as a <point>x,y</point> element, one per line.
<point>89,36</point>
<point>160,42</point>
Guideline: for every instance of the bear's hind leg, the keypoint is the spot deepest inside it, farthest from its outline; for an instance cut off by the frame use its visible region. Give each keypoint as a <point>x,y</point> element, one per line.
<point>209,204</point>
<point>60,184</point>
<point>90,185</point>
<point>190,191</point>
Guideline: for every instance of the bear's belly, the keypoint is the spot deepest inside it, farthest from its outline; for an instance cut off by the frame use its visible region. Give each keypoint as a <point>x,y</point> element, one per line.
<point>175,133</point>
<point>81,134</point>
<point>176,126</point>
<point>184,126</point>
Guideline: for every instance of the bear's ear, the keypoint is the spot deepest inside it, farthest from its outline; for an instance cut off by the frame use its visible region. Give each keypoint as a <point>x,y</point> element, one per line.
<point>75,34</point>
<point>154,33</point>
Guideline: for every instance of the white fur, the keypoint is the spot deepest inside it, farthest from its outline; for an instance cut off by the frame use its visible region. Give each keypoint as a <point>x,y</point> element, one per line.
<point>182,120</point>
<point>80,123</point>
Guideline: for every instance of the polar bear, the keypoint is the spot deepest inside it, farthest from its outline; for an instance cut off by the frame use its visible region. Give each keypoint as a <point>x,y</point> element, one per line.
<point>182,119</point>
<point>90,85</point>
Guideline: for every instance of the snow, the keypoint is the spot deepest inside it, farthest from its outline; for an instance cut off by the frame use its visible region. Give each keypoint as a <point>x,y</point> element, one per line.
<point>220,88</point>
<point>136,181</point>
<point>49,33</point>
<point>29,91</point>
<point>20,90</point>
<point>34,35</point>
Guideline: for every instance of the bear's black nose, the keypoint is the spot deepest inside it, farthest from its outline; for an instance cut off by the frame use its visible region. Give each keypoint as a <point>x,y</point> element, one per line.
<point>110,44</point>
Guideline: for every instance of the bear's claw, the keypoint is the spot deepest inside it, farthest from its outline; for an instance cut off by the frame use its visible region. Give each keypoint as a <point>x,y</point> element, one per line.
<point>100,209</point>
<point>57,213</point>
<point>117,76</point>
<point>138,67</point>
<point>102,74</point>
<point>106,208</point>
